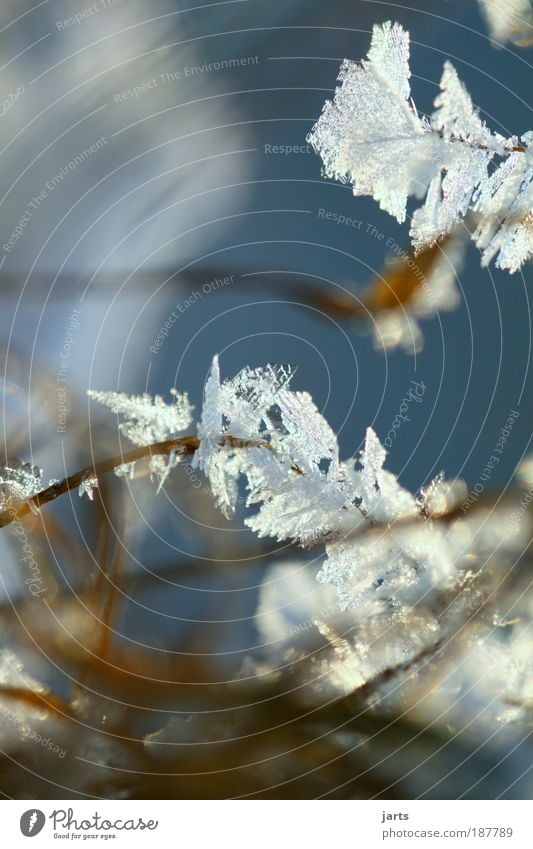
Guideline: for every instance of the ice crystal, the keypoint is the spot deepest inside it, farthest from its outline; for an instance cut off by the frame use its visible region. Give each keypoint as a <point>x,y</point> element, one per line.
<point>302,492</point>
<point>467,149</point>
<point>371,136</point>
<point>18,482</point>
<point>87,486</point>
<point>388,642</point>
<point>146,420</point>
<point>505,203</point>
<point>290,459</point>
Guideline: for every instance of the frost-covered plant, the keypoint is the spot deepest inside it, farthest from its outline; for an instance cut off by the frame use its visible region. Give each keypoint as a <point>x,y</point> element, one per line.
<point>372,137</point>
<point>383,544</point>
<point>408,605</point>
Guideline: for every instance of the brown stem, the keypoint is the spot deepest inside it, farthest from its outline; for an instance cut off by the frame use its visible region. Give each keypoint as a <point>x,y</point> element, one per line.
<point>184,445</point>
<point>515,149</point>
<point>36,699</point>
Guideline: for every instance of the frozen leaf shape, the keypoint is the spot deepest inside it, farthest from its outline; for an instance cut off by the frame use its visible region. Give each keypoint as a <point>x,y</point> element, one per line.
<point>237,407</point>
<point>218,462</point>
<point>290,461</point>
<point>381,497</point>
<point>470,148</point>
<point>455,115</point>
<point>211,424</point>
<point>389,58</point>
<point>291,464</point>
<point>371,136</point>
<point>288,456</point>
<point>146,420</point>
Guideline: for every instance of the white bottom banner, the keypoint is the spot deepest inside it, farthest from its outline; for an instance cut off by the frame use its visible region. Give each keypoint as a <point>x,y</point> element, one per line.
<point>260,824</point>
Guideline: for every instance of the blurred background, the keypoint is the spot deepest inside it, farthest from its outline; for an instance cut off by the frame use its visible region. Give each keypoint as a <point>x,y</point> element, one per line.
<point>154,162</point>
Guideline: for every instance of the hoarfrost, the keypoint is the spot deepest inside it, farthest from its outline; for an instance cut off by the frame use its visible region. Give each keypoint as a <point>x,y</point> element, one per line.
<point>372,137</point>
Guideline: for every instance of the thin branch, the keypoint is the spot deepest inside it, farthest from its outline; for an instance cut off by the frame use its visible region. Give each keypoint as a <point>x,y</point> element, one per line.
<point>184,446</point>
<point>37,699</point>
<point>187,446</point>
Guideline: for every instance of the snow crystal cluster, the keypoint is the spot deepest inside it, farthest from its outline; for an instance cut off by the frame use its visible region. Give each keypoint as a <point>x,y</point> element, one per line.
<point>382,542</point>
<point>372,137</point>
<point>18,482</point>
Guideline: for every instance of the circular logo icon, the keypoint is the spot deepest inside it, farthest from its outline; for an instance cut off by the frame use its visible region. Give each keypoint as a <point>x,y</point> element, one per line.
<point>32,822</point>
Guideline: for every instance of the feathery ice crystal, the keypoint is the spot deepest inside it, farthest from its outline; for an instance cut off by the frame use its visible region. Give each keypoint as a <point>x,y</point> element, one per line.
<point>372,136</point>
<point>145,421</point>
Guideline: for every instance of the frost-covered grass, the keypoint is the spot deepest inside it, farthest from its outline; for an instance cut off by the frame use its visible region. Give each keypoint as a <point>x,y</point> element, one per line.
<point>414,596</point>
<point>372,136</point>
